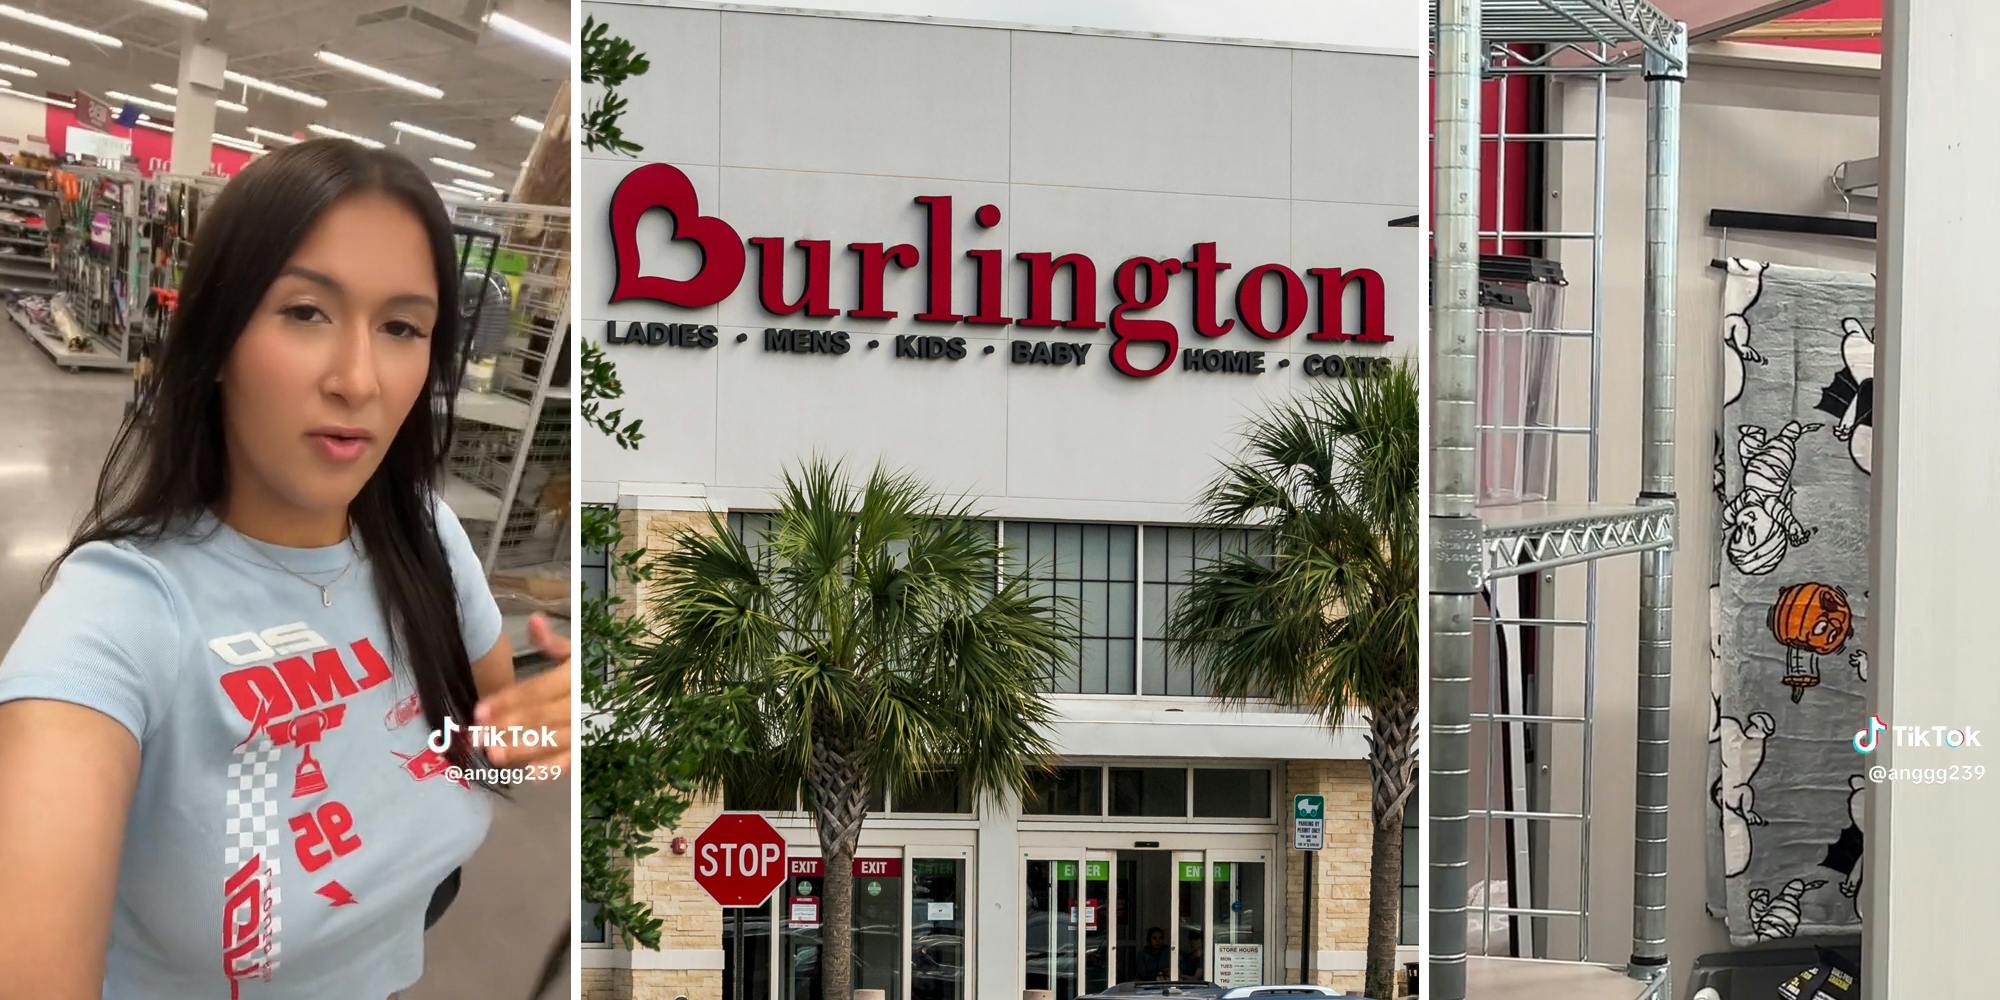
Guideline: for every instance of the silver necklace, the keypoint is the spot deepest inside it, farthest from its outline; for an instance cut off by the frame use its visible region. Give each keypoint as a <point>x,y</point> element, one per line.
<point>325,589</point>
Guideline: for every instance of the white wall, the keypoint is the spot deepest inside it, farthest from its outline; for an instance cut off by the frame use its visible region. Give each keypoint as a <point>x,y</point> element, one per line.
<point>815,127</point>
<point>1929,861</point>
<point>1753,138</point>
<point>22,126</point>
<point>1389,27</point>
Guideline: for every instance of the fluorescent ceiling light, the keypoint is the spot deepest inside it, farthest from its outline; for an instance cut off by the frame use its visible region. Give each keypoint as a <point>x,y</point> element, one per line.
<point>278,137</point>
<point>528,123</point>
<point>335,133</point>
<point>233,142</point>
<point>35,54</point>
<point>271,88</point>
<point>180,7</point>
<point>476,186</point>
<point>12,70</point>
<point>463,168</point>
<point>515,29</point>
<point>144,102</point>
<point>64,27</point>
<point>449,140</point>
<point>52,101</point>
<point>359,68</point>
<point>219,102</point>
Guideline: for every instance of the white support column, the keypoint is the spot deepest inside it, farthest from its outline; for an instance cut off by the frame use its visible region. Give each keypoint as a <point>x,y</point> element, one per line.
<point>1928,847</point>
<point>199,83</point>
<point>997,925</point>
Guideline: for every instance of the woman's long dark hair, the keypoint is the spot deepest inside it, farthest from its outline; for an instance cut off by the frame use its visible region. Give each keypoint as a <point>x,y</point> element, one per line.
<point>169,463</point>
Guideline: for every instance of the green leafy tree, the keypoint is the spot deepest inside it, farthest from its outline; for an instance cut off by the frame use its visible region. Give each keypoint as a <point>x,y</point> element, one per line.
<point>1323,613</point>
<point>864,644</point>
<point>608,62</point>
<point>638,773</point>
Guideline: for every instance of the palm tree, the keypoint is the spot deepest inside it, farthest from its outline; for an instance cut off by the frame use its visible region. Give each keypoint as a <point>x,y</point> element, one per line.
<point>1323,612</point>
<point>875,647</point>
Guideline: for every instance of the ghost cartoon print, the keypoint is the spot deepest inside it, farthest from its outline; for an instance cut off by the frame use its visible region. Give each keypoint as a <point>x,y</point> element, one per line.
<point>1742,750</point>
<point>1844,855</point>
<point>1758,522</point>
<point>1850,397</point>
<point>1738,295</point>
<point>1778,916</point>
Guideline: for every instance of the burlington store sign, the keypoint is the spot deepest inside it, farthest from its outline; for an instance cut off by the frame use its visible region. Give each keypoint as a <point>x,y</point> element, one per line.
<point>1219,337</point>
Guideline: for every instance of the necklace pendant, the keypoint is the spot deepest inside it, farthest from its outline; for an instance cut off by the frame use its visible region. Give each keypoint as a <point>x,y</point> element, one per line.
<point>325,598</point>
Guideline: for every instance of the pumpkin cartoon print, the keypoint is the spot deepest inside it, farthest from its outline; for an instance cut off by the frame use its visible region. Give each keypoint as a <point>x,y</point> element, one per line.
<point>1810,620</point>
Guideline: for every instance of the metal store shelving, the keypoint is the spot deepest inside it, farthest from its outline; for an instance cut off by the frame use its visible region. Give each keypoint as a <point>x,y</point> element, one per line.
<point>511,445</point>
<point>1470,547</point>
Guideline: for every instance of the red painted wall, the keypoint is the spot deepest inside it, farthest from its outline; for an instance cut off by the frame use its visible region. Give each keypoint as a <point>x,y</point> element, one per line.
<point>1494,202</point>
<point>1839,10</point>
<point>152,149</point>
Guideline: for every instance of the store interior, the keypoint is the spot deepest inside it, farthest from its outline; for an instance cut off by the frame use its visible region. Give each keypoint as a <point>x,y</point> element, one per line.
<point>121,119</point>
<point>1570,858</point>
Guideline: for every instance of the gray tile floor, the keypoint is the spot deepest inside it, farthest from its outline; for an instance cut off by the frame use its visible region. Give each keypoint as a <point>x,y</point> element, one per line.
<point>54,430</point>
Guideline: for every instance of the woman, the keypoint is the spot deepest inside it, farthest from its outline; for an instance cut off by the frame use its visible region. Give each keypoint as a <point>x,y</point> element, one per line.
<point>214,771</point>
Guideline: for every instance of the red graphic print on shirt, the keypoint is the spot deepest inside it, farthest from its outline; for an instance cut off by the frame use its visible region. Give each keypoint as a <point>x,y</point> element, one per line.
<point>404,712</point>
<point>245,922</point>
<point>429,764</point>
<point>309,779</point>
<point>336,893</point>
<point>291,686</point>
<point>267,695</point>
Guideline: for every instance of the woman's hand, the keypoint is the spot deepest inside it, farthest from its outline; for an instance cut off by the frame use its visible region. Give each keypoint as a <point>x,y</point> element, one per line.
<point>542,701</point>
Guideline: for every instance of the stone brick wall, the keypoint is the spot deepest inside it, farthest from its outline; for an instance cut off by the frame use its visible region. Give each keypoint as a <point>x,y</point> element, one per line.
<point>1340,873</point>
<point>689,919</point>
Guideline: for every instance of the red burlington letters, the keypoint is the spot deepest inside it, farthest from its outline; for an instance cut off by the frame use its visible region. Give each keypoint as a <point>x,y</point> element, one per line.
<point>1140,284</point>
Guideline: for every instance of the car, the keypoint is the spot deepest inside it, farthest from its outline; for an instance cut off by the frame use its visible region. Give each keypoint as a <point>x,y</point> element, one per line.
<point>1200,989</point>
<point>1288,990</point>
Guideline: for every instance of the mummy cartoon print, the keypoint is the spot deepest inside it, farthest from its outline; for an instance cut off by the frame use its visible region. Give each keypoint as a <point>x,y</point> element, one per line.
<point>1737,298</point>
<point>1778,916</point>
<point>1850,397</point>
<point>1759,522</point>
<point>1742,754</point>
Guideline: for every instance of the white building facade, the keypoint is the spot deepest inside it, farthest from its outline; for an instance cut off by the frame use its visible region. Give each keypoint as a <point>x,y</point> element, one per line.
<point>1055,270</point>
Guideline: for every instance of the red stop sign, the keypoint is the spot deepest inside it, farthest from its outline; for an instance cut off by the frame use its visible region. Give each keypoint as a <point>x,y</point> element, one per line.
<point>739,859</point>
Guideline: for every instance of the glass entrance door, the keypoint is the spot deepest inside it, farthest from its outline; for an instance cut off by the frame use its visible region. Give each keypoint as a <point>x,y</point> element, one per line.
<point>1095,919</point>
<point>1238,901</point>
<point>1050,924</point>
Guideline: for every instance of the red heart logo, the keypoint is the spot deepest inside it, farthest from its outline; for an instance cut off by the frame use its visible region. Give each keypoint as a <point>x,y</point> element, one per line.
<point>658,185</point>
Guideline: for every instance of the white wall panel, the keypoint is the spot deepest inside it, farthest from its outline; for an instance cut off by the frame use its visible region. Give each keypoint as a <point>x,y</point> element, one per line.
<point>872,97</point>
<point>1157,116</point>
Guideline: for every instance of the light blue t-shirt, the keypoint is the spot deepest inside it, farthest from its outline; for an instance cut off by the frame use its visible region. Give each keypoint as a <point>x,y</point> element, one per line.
<point>290,823</point>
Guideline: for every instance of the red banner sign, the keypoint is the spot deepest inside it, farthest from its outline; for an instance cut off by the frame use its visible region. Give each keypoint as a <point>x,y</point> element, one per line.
<point>863,868</point>
<point>93,113</point>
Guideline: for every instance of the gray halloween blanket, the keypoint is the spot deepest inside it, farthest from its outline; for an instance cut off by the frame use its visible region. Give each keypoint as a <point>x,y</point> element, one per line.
<point>1789,608</point>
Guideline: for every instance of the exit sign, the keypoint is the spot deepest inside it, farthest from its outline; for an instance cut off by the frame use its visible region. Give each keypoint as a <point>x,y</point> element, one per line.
<point>1308,822</point>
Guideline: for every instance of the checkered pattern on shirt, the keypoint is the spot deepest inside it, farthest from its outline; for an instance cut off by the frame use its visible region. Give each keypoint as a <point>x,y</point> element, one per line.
<point>253,826</point>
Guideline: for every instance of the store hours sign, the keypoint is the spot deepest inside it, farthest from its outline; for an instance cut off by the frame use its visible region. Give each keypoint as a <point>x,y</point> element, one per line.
<point>1228,332</point>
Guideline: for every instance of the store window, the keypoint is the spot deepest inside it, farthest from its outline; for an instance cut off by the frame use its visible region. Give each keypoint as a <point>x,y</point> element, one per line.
<point>1161,792</point>
<point>1149,791</point>
<point>593,927</point>
<point>1093,569</point>
<point>1232,793</point>
<point>1066,791</point>
<point>1172,556</point>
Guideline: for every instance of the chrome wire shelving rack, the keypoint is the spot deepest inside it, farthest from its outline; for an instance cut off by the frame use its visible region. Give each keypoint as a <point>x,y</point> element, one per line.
<point>1472,548</point>
<point>507,476</point>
